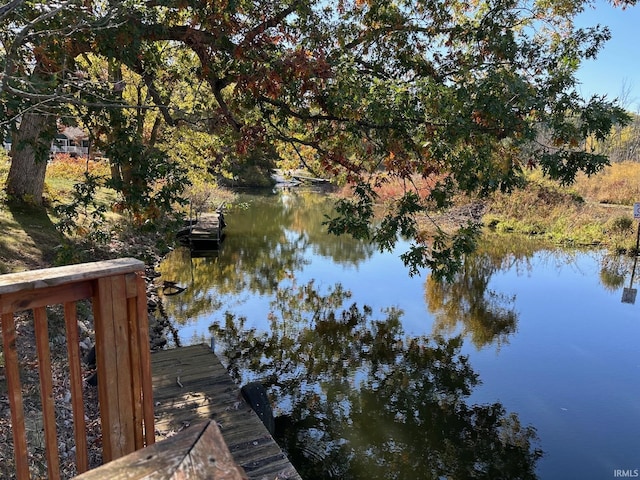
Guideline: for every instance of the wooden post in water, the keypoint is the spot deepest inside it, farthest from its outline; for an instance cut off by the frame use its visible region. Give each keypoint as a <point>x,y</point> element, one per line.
<point>636,215</point>
<point>629,294</point>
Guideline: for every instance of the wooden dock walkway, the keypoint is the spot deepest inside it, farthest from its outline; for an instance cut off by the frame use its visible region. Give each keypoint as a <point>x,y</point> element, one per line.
<point>190,385</point>
<point>208,228</point>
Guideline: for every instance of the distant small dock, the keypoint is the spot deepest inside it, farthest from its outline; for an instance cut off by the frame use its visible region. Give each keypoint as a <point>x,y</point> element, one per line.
<point>191,385</point>
<point>207,228</point>
<point>293,178</point>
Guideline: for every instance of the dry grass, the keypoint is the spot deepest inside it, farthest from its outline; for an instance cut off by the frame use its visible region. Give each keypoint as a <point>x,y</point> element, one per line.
<point>618,184</point>
<point>388,187</point>
<point>393,187</point>
<point>593,211</point>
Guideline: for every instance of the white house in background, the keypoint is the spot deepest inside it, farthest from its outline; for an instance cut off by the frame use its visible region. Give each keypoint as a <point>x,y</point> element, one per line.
<point>71,140</point>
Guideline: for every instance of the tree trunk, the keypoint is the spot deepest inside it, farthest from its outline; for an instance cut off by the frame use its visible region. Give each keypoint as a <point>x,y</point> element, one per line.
<point>29,155</point>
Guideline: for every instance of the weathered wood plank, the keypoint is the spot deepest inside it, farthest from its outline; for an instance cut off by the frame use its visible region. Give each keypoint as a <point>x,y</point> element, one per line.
<point>131,280</point>
<point>169,372</point>
<point>174,416</point>
<point>48,277</point>
<point>123,428</point>
<point>271,467</point>
<point>244,432</point>
<point>208,392</point>
<point>170,367</point>
<point>190,383</point>
<point>195,357</point>
<point>211,456</point>
<point>136,379</point>
<point>105,360</point>
<point>30,299</point>
<point>274,470</point>
<point>196,453</point>
<point>259,450</point>
<point>197,401</point>
<point>145,360</point>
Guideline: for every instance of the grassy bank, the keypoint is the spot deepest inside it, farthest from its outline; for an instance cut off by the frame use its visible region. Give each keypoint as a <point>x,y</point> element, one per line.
<point>31,237</point>
<point>596,211</point>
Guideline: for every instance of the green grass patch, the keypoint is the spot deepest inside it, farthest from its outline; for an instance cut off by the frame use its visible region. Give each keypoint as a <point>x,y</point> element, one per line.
<point>29,238</point>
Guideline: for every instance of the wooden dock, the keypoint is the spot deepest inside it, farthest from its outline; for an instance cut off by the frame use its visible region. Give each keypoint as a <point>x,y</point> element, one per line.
<point>294,178</point>
<point>191,385</point>
<point>207,228</point>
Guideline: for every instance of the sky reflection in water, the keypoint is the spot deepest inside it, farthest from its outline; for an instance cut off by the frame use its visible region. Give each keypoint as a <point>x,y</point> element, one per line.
<point>548,340</point>
<point>573,368</point>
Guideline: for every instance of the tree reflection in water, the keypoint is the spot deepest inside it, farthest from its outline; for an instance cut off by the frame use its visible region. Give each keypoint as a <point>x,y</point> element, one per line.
<point>485,316</point>
<point>357,399</point>
<point>271,236</point>
<point>467,305</point>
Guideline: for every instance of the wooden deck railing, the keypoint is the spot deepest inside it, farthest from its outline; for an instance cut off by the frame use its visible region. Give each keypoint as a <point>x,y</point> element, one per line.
<point>118,295</point>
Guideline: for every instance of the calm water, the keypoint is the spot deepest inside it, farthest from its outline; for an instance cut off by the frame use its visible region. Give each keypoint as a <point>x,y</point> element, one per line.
<point>529,352</point>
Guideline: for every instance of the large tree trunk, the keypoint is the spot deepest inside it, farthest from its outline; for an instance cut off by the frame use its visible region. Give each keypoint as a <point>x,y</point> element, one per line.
<point>29,155</point>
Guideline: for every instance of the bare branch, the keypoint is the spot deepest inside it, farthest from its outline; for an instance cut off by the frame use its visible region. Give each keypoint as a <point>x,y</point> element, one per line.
<point>9,7</point>
<point>269,23</point>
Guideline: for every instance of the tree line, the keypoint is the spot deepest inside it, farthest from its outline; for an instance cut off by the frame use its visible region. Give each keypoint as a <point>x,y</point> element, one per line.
<point>623,145</point>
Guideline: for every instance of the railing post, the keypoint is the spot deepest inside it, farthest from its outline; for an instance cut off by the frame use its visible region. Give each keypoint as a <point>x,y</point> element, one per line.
<point>75,374</point>
<point>121,348</point>
<point>46,392</point>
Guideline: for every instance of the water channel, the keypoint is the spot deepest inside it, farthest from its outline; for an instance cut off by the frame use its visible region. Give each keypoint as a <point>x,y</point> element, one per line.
<point>527,366</point>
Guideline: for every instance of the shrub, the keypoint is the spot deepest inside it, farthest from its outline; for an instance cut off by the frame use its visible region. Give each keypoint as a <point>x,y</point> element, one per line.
<point>620,225</point>
<point>73,168</point>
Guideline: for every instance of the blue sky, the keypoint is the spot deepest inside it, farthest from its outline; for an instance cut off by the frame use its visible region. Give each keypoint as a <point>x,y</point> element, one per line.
<point>618,64</point>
